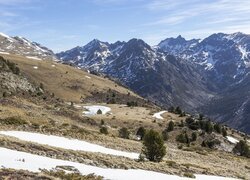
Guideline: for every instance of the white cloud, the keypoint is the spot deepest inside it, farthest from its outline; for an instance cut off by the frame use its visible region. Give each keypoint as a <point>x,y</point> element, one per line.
<point>177,11</point>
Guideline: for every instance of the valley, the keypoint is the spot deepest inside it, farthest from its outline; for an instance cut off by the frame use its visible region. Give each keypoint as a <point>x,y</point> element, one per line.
<point>50,126</point>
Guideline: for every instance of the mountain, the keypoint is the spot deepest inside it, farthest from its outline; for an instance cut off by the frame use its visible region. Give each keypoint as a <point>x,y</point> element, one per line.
<point>224,57</point>
<point>152,73</point>
<point>192,73</point>
<point>225,61</point>
<point>21,46</point>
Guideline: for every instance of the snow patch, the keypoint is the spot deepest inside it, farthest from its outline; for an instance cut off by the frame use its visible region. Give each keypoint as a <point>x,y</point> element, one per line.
<point>6,36</point>
<point>4,52</point>
<point>232,140</point>
<point>33,57</point>
<point>158,115</point>
<point>65,143</point>
<point>26,161</point>
<point>88,77</point>
<point>77,106</point>
<point>92,110</point>
<point>35,67</point>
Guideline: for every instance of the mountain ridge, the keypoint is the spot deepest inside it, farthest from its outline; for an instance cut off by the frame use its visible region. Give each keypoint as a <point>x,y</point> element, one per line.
<point>200,69</point>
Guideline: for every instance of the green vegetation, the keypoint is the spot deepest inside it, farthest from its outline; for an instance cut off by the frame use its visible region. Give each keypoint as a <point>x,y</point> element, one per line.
<point>60,174</point>
<point>242,149</point>
<point>165,135</point>
<point>170,126</point>
<point>183,138</point>
<point>99,111</point>
<point>189,175</point>
<point>124,133</point>
<point>153,146</point>
<point>211,143</point>
<point>132,104</point>
<point>141,132</point>
<point>104,130</point>
<point>217,128</point>
<point>194,136</point>
<point>7,65</point>
<point>15,121</point>
<point>224,132</point>
<point>208,127</point>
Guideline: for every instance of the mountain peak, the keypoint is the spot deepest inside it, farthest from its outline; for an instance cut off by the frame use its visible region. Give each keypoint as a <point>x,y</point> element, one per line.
<point>97,43</point>
<point>137,43</point>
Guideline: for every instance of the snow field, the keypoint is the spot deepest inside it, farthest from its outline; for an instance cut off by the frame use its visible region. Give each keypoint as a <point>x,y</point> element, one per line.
<point>92,110</point>
<point>158,115</point>
<point>66,143</point>
<point>26,161</point>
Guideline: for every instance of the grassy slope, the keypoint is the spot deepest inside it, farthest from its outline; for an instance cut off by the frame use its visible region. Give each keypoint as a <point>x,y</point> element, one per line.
<point>67,83</point>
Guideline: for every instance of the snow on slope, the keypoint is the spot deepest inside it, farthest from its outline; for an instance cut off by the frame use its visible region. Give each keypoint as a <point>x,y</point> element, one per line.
<point>232,140</point>
<point>158,115</point>
<point>21,46</point>
<point>92,110</point>
<point>26,161</point>
<point>4,52</point>
<point>33,57</point>
<point>6,36</point>
<point>65,143</point>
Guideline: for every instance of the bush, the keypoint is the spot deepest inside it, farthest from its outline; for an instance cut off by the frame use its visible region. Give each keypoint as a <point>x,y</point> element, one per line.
<point>224,132</point>
<point>132,104</point>
<point>165,135</point>
<point>170,126</point>
<point>189,120</point>
<point>189,175</point>
<point>99,111</point>
<point>104,130</point>
<point>210,143</point>
<point>141,132</point>
<point>194,136</point>
<point>177,110</point>
<point>183,138</point>
<point>208,127</point>
<point>242,149</point>
<point>124,133</point>
<point>217,128</point>
<point>13,121</point>
<point>201,116</point>
<point>153,146</point>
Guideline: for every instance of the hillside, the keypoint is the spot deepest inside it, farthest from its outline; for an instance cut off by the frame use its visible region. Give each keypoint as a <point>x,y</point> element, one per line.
<point>51,133</point>
<point>69,83</point>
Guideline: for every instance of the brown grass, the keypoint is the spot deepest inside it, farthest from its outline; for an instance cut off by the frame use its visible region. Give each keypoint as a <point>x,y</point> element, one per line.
<point>66,82</point>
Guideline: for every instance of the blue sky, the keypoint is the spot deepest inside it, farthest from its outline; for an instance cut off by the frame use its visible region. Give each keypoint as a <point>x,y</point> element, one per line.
<point>63,24</point>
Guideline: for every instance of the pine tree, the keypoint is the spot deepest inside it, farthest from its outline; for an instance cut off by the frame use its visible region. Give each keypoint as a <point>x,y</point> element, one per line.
<point>153,146</point>
<point>170,126</point>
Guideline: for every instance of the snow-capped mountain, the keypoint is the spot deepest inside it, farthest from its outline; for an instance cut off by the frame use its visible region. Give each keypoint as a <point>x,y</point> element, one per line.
<point>150,72</point>
<point>225,57</point>
<point>224,60</point>
<point>21,46</point>
<point>191,73</point>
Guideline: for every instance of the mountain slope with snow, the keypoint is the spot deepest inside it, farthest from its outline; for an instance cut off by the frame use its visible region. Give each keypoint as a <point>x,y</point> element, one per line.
<point>21,46</point>
<point>188,73</point>
<point>152,73</point>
